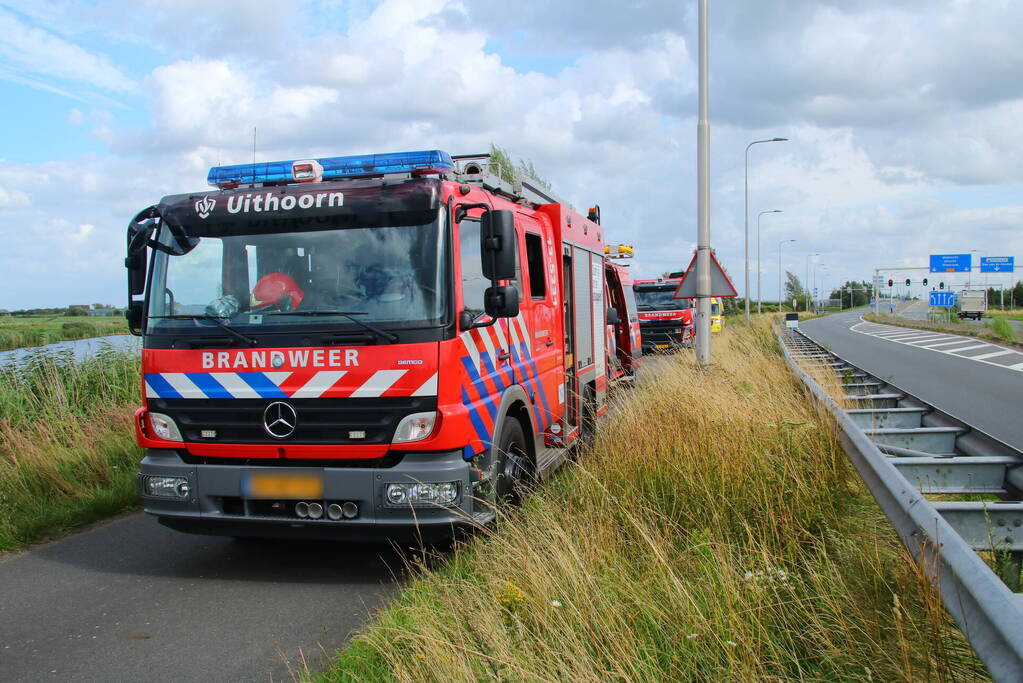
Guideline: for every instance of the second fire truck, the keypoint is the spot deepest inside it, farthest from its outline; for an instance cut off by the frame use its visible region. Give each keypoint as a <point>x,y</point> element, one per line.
<point>390,344</point>
<point>666,323</point>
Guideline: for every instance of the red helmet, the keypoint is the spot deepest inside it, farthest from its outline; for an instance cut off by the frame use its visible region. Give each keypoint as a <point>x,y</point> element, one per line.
<point>273,287</point>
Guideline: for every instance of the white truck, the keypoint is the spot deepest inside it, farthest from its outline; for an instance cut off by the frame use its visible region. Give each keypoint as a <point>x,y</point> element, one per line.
<point>972,303</point>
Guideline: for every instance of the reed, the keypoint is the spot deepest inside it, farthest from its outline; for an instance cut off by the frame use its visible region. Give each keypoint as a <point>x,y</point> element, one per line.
<point>67,447</point>
<point>715,532</point>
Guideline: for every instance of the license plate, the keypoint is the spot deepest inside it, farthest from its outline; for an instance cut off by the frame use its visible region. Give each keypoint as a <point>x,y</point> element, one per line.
<point>662,346</point>
<point>293,486</point>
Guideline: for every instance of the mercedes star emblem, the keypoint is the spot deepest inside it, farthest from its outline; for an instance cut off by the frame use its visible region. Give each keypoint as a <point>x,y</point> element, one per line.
<point>280,420</point>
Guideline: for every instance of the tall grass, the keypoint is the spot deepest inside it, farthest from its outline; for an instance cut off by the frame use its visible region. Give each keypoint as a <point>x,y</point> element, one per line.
<point>716,532</point>
<point>67,451</point>
<point>1003,328</point>
<point>18,332</point>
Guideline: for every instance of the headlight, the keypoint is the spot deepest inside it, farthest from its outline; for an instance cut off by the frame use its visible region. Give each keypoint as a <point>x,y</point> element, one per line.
<point>163,427</point>
<point>433,493</point>
<point>165,487</point>
<point>415,427</point>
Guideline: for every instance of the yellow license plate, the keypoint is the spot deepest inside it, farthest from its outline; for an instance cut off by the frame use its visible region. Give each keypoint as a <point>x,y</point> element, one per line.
<point>662,346</point>
<point>284,486</point>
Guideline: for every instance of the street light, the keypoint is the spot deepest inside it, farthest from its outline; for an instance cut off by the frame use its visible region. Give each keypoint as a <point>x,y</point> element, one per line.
<point>806,282</point>
<point>779,273</point>
<point>816,294</point>
<point>758,253</point>
<point>745,212</point>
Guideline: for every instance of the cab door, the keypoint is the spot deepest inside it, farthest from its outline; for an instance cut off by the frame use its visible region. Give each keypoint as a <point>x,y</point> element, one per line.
<point>540,367</point>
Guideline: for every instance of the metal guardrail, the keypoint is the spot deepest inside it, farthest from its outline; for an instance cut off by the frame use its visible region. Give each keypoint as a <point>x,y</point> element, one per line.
<point>904,448</point>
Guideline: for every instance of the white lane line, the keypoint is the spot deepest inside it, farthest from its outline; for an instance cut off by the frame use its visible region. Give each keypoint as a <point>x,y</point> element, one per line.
<point>968,348</point>
<point>958,341</point>
<point>870,330</point>
<point>924,339</point>
<point>992,355</point>
<point>944,338</point>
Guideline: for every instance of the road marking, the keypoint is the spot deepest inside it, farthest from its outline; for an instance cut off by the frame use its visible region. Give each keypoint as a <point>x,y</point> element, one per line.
<point>991,355</point>
<point>934,342</point>
<point>948,343</point>
<point>967,348</point>
<point>924,340</point>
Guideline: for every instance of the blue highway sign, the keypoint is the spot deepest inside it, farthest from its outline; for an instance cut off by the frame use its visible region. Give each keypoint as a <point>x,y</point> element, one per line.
<point>997,264</point>
<point>943,299</point>
<point>950,263</point>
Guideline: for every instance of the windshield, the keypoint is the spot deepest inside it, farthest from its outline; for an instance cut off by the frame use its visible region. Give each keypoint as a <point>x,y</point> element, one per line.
<point>387,276</point>
<point>659,300</point>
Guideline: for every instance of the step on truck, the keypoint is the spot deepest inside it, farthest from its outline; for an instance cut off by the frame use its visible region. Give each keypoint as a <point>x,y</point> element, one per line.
<point>381,346</point>
<point>666,323</point>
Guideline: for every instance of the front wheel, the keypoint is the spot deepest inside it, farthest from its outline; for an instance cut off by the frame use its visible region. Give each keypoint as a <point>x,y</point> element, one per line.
<point>508,470</point>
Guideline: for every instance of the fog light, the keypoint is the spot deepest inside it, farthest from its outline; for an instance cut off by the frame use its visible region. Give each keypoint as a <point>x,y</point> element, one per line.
<point>163,427</point>
<point>426,494</point>
<point>396,494</point>
<point>165,487</point>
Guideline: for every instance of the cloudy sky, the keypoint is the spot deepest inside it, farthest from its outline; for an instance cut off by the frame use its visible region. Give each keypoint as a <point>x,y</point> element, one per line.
<point>903,118</point>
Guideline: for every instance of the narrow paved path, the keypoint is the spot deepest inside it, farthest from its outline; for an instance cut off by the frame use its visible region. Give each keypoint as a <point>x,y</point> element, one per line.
<point>130,600</point>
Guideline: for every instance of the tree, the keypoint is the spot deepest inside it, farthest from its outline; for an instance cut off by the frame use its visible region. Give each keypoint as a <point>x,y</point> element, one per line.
<point>794,290</point>
<point>853,294</point>
<point>506,168</point>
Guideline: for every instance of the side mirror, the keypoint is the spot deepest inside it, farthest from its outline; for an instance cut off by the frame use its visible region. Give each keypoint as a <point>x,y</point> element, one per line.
<point>612,316</point>
<point>497,245</point>
<point>134,315</point>
<point>136,265</point>
<point>501,301</point>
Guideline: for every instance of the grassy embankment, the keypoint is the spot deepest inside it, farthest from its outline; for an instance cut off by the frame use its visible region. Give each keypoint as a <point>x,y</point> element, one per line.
<point>67,447</point>
<point>717,532</point>
<point>1011,314</point>
<point>19,331</point>
<point>998,330</point>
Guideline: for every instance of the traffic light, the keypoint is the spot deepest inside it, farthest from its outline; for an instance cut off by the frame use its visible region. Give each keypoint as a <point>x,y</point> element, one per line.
<point>941,285</point>
<point>925,282</point>
<point>907,282</point>
<point>890,282</point>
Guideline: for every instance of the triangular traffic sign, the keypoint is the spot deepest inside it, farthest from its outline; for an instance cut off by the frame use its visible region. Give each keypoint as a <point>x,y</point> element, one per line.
<point>720,285</point>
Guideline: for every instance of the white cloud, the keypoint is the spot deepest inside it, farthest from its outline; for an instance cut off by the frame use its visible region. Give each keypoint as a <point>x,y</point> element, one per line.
<point>36,54</point>
<point>897,114</point>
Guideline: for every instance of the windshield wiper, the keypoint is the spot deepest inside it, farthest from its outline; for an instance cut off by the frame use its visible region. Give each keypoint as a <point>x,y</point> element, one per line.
<point>389,336</point>
<point>217,321</point>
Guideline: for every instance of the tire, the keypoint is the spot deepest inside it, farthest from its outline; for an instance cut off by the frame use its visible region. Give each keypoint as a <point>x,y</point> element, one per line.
<point>513,469</point>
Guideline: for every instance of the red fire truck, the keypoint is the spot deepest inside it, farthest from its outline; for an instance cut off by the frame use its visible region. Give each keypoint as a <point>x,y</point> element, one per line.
<point>372,346</point>
<point>666,323</point>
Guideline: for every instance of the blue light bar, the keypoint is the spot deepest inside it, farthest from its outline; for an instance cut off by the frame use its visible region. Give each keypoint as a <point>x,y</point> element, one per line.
<point>334,168</point>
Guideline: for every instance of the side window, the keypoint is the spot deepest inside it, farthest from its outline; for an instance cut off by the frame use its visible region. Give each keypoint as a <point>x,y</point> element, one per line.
<point>473,282</point>
<point>630,303</point>
<point>535,265</point>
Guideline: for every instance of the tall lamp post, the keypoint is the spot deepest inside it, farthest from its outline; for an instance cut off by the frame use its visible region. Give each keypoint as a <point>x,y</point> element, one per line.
<point>806,282</point>
<point>780,306</point>
<point>816,294</point>
<point>758,253</point>
<point>745,213</point>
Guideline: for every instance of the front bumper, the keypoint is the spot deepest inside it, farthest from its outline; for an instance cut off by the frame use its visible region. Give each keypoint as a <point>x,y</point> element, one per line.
<point>216,503</point>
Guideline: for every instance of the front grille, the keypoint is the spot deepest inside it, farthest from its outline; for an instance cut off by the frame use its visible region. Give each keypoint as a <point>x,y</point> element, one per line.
<point>319,420</point>
<point>662,333</point>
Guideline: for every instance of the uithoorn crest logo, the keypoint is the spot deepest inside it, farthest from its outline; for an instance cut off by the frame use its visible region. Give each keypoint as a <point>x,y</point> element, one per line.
<point>204,207</point>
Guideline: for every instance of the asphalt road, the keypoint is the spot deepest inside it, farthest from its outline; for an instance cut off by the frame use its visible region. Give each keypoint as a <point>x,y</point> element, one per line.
<point>130,600</point>
<point>972,380</point>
